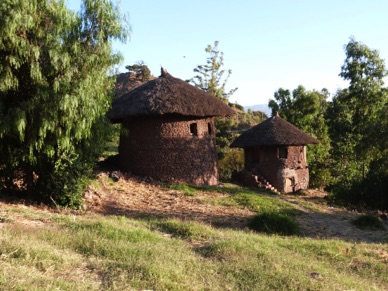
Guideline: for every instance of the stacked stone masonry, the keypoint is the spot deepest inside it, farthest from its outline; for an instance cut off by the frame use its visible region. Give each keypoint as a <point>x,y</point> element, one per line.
<point>174,149</point>
<point>285,167</point>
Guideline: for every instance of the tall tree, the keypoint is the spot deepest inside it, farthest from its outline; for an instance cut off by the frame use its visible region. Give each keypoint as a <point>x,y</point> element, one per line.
<point>357,119</point>
<point>365,71</point>
<point>306,110</point>
<point>210,77</point>
<point>54,90</point>
<point>355,112</point>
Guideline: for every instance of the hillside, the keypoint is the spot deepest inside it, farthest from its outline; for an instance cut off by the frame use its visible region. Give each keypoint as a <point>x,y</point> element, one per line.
<point>259,107</point>
<point>138,234</point>
<point>138,197</point>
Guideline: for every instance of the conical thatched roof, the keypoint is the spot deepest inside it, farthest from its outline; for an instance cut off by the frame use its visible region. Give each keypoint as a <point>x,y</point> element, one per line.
<point>167,95</point>
<point>273,132</point>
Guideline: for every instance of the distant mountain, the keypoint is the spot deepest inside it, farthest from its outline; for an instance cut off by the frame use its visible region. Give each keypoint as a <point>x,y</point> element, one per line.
<point>259,107</point>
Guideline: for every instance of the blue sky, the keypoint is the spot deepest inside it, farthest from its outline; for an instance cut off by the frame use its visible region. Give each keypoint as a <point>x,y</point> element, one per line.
<point>266,44</point>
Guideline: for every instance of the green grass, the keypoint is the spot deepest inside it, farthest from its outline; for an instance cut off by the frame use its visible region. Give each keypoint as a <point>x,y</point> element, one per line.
<point>91,252</point>
<point>274,223</point>
<point>369,222</point>
<point>188,190</point>
<point>187,230</point>
<point>256,201</point>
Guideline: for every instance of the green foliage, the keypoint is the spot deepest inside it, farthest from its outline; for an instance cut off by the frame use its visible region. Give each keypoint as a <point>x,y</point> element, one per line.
<point>274,223</point>
<point>371,191</point>
<point>306,110</point>
<point>140,70</point>
<point>358,123</point>
<point>227,130</point>
<point>232,161</point>
<point>210,76</point>
<point>369,222</point>
<point>54,88</point>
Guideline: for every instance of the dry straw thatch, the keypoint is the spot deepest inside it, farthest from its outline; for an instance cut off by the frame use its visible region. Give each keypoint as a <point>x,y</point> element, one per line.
<point>167,95</point>
<point>274,131</point>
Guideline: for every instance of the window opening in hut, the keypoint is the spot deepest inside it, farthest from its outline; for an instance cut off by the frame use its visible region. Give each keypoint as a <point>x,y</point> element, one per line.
<point>282,152</point>
<point>301,154</point>
<point>193,129</point>
<point>209,128</point>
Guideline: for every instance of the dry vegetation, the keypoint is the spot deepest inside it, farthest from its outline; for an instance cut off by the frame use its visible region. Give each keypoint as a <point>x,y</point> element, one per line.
<point>136,197</point>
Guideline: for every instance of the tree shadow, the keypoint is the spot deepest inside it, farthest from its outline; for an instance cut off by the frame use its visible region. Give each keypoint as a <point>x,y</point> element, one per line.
<point>230,220</point>
<point>338,225</point>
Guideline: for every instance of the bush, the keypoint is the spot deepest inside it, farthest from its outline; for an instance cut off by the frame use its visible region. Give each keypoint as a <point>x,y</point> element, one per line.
<point>274,223</point>
<point>370,191</point>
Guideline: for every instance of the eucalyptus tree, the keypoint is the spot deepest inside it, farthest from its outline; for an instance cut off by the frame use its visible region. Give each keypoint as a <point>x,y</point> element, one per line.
<point>54,89</point>
<point>357,118</point>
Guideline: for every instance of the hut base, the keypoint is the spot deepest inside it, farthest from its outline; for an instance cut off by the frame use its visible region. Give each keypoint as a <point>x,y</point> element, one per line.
<point>253,180</point>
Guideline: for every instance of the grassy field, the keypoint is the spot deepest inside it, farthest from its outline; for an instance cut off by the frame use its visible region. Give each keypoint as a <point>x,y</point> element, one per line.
<point>63,250</point>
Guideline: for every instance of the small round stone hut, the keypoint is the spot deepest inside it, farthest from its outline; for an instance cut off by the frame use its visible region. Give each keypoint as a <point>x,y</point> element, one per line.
<point>169,131</point>
<point>275,151</point>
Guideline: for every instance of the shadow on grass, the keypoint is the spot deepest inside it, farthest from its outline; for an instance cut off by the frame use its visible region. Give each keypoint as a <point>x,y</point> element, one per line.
<point>220,220</point>
<point>274,223</point>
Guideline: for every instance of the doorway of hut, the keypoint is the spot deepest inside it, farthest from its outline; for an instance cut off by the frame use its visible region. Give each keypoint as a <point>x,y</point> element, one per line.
<point>290,185</point>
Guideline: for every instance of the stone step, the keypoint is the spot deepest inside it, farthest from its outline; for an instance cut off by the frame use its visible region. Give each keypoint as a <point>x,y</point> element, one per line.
<point>261,182</point>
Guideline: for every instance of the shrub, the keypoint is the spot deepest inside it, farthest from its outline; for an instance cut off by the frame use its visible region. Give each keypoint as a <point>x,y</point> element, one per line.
<point>233,160</point>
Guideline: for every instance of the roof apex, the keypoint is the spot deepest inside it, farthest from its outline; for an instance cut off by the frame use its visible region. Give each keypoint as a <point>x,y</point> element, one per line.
<point>274,131</point>
<point>167,95</point>
<point>163,72</point>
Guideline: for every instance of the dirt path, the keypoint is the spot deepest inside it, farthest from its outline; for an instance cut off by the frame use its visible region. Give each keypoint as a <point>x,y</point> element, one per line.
<point>320,220</point>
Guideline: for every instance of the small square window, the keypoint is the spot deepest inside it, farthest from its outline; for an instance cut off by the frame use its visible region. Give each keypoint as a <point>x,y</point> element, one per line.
<point>193,129</point>
<point>282,152</point>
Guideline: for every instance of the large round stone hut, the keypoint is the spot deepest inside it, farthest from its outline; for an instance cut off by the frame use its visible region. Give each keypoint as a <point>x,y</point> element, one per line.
<point>275,150</point>
<point>169,131</point>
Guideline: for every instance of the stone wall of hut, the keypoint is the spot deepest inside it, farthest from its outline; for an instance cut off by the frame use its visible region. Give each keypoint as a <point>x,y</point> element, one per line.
<point>174,149</point>
<point>285,167</point>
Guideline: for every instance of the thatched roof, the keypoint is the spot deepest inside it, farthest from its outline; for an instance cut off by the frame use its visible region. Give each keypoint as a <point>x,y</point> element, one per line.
<point>167,95</point>
<point>126,82</point>
<point>273,132</point>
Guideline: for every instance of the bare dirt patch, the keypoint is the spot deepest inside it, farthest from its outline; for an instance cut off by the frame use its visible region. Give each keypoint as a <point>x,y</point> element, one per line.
<point>136,197</point>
